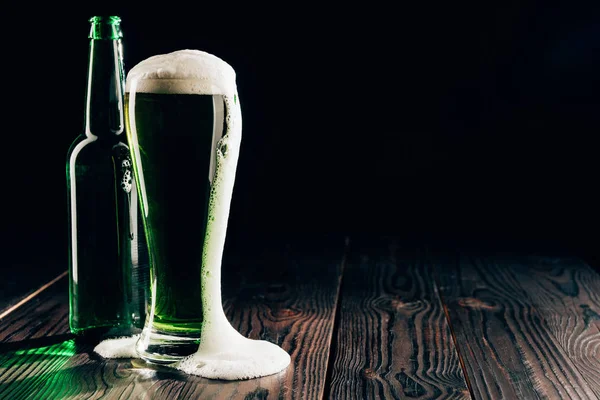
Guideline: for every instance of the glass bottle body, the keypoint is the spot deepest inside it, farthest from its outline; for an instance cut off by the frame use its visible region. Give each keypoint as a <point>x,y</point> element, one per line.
<point>107,264</point>
<point>100,236</point>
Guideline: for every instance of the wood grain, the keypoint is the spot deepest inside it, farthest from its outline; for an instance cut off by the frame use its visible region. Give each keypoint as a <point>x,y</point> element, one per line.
<point>286,295</point>
<point>566,293</point>
<point>508,349</point>
<point>22,278</point>
<point>393,340</point>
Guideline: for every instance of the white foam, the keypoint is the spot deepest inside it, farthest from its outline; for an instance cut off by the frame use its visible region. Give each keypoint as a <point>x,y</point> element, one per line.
<point>232,356</point>
<point>183,71</point>
<point>223,352</point>
<point>123,347</point>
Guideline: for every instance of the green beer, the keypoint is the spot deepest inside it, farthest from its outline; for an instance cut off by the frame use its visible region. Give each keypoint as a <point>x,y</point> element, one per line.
<point>175,138</point>
<point>184,127</point>
<point>177,122</point>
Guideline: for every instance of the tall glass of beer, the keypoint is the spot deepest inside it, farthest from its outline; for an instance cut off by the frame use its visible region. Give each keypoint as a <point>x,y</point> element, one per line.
<point>184,128</point>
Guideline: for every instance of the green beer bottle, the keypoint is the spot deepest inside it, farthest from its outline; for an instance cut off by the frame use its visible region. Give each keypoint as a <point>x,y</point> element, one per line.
<point>106,287</point>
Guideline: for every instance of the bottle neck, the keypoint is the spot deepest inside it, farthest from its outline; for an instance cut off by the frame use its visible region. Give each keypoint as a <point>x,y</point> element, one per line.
<point>105,85</point>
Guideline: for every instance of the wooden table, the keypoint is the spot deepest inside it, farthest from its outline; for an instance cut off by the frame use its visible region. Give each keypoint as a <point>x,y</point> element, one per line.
<point>362,318</point>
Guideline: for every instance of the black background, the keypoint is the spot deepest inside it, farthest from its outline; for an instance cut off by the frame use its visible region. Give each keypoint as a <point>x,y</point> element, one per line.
<point>427,120</point>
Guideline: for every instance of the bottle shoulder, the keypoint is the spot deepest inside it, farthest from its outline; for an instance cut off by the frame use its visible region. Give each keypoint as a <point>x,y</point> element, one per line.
<point>85,149</point>
<point>97,142</point>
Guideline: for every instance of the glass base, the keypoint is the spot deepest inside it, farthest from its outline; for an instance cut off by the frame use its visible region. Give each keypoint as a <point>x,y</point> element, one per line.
<point>160,348</point>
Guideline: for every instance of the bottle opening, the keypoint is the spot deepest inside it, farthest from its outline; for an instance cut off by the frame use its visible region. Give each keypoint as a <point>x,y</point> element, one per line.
<point>105,27</point>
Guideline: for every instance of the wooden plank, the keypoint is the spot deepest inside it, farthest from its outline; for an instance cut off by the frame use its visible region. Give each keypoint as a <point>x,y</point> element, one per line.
<point>19,301</point>
<point>286,295</point>
<point>26,276</point>
<point>393,339</point>
<point>566,293</point>
<point>507,348</point>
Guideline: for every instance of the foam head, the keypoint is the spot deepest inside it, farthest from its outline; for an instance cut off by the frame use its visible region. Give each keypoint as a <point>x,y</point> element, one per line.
<point>183,72</point>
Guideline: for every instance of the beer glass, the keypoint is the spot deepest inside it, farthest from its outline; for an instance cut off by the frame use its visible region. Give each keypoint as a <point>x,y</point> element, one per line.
<point>183,123</point>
